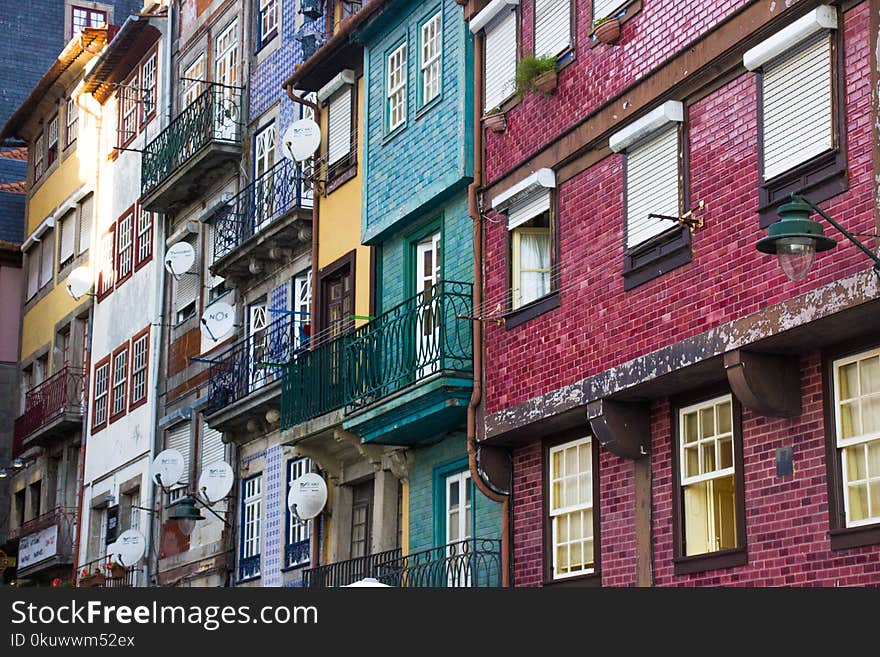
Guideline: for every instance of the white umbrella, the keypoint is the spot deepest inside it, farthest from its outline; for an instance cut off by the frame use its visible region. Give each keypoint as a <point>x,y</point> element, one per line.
<point>368,582</point>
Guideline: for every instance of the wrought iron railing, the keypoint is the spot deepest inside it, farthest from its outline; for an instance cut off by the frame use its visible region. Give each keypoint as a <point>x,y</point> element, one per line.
<point>253,362</point>
<point>475,562</point>
<point>103,573</point>
<point>268,198</point>
<point>425,335</point>
<point>249,567</point>
<point>63,516</point>
<point>61,393</point>
<point>313,383</point>
<point>215,115</point>
<point>297,554</point>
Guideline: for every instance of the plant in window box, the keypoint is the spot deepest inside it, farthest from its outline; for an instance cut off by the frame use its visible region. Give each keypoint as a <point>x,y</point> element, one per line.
<point>88,580</point>
<point>495,120</point>
<point>607,29</point>
<point>115,570</point>
<point>537,74</point>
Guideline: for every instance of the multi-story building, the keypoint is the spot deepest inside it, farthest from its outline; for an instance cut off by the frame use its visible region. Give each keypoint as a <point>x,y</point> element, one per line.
<point>126,89</point>
<point>54,336</point>
<point>679,410</point>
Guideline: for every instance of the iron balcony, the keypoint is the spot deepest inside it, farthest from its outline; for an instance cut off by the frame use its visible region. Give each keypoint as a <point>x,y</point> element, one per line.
<point>51,409</point>
<point>52,533</point>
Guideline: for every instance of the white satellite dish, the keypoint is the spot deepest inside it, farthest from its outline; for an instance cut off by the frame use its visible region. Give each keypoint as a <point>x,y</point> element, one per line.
<point>79,282</point>
<point>179,258</point>
<point>218,321</point>
<point>307,496</point>
<point>301,140</point>
<point>130,547</point>
<point>168,465</point>
<point>215,482</point>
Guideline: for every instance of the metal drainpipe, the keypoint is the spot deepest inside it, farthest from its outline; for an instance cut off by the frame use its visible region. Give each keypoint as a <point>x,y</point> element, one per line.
<point>314,547</point>
<point>476,394</point>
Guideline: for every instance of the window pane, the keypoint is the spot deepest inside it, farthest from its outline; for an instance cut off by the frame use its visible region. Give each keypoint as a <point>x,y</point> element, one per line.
<point>849,420</point>
<point>724,497</point>
<point>692,461</point>
<point>585,458</point>
<point>724,417</point>
<point>576,556</point>
<point>869,375</point>
<point>858,502</point>
<point>575,526</point>
<point>725,453</point>
<point>570,497</point>
<point>855,463</point>
<point>562,529</point>
<point>849,386</point>
<point>870,414</point>
<point>708,464</point>
<point>556,496</point>
<point>690,427</point>
<point>874,460</point>
<point>586,492</point>
<point>707,422</point>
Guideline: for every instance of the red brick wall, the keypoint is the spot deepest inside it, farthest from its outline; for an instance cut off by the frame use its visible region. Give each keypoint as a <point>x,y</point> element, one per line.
<point>598,325</point>
<point>659,31</point>
<point>787,519</point>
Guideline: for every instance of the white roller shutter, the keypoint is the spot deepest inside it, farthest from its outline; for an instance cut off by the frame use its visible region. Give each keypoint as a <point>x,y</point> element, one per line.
<point>552,26</point>
<point>85,222</point>
<point>339,125</point>
<point>177,437</point>
<point>212,281</point>
<point>797,100</point>
<point>500,58</point>
<point>213,449</point>
<point>651,185</point>
<point>528,208</point>
<point>186,287</point>
<point>68,233</point>
<point>605,8</point>
<point>47,258</point>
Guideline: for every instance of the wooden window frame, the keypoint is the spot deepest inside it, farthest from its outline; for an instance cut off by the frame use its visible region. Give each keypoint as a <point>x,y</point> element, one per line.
<point>730,558</point>
<point>593,579</point>
<point>822,177</point>
<point>336,267</point>
<point>143,334</point>
<point>113,385</point>
<point>140,261</point>
<point>96,427</point>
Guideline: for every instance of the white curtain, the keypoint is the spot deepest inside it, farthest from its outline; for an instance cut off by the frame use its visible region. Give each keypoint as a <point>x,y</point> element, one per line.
<point>534,255</point>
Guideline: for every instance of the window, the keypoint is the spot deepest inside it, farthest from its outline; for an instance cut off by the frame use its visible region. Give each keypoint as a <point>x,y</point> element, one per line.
<point>99,403</point>
<point>395,88</point>
<point>213,449</point>
<point>572,524</point>
<point>130,514</point>
<point>361,519</point>
<point>264,181</point>
<point>124,247</point>
<point>709,504</point>
<point>186,289</point>
<point>339,131</point>
<point>33,270</point>
<point>216,284</point>
<point>140,351</point>
<point>106,270</point>
<point>148,87</point>
<point>226,56</point>
<point>47,256</point>
<point>129,110</point>
<point>144,249</point>
<point>71,118</point>
<point>178,437</point>
<point>430,62</point>
<point>52,141</point>
<point>38,157</point>
<point>552,27</point>
<point>500,56</point>
<point>35,493</point>
<point>66,239</point>
<point>302,302</point>
<point>120,380</point>
<point>251,511</point>
<point>85,223</point>
<point>857,431</point>
<point>63,342</point>
<point>605,8</point>
<point>531,249</point>
<point>296,552</point>
<point>86,17</point>
<point>192,81</point>
<point>19,507</point>
<point>267,24</point>
<point>338,292</point>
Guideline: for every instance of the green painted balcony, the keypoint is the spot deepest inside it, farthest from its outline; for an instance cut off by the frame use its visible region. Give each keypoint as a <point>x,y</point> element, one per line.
<point>190,154</point>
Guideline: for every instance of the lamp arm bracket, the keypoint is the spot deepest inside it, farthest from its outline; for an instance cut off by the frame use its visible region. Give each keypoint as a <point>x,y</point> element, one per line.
<point>214,513</point>
<point>848,235</point>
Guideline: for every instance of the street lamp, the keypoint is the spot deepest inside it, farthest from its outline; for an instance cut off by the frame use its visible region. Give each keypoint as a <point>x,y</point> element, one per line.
<point>795,238</point>
<point>186,514</point>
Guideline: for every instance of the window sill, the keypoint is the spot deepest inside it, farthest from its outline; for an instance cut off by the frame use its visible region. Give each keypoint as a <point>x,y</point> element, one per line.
<point>656,257</point>
<point>592,580</point>
<point>389,136</point>
<point>341,178</point>
<point>712,561</point>
<point>845,538</point>
<point>819,179</point>
<point>245,580</point>
<point>532,310</point>
<point>427,107</point>
<point>296,566</point>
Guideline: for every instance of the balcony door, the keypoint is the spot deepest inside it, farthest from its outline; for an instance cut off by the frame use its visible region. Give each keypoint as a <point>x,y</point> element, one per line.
<point>361,519</point>
<point>226,74</point>
<point>264,187</point>
<point>427,272</point>
<point>339,300</point>
<point>458,528</point>
<point>258,339</point>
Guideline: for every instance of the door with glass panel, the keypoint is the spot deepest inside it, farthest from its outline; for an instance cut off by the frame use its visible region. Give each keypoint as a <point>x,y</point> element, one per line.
<point>264,189</point>
<point>258,338</point>
<point>226,77</point>
<point>361,519</point>
<point>458,529</point>
<point>427,342</point>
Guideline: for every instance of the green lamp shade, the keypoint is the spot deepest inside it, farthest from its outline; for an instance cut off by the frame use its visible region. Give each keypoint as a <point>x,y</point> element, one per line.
<point>186,514</point>
<point>795,239</point>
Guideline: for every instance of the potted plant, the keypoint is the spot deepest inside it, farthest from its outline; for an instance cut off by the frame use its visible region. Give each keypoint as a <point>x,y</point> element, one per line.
<point>115,570</point>
<point>536,74</point>
<point>607,29</point>
<point>495,120</point>
<point>88,580</point>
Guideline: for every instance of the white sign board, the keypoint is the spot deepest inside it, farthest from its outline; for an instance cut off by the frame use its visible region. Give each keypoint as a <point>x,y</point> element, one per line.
<point>38,546</point>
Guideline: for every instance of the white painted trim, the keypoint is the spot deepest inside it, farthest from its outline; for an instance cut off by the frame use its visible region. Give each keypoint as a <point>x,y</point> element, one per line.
<point>672,111</point>
<point>490,11</point>
<point>541,178</point>
<point>821,18</point>
<point>344,77</point>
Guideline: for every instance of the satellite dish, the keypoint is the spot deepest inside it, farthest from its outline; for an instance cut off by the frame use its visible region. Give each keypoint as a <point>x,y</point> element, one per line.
<point>179,258</point>
<point>130,547</point>
<point>218,321</point>
<point>307,496</point>
<point>168,466</point>
<point>79,282</point>
<point>301,140</point>
<point>215,482</point>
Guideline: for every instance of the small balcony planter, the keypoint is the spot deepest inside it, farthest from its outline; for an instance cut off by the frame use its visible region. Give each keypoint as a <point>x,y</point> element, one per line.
<point>92,580</point>
<point>607,30</point>
<point>536,74</point>
<point>546,82</point>
<point>115,570</point>
<point>495,120</point>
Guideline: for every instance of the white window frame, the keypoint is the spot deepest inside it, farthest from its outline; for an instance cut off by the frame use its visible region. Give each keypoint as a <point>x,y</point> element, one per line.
<point>251,520</point>
<point>125,246</point>
<point>102,389</point>
<point>861,440</point>
<point>192,90</point>
<point>297,530</point>
<point>148,77</point>
<point>302,302</point>
<point>431,58</point>
<point>120,382</point>
<point>558,513</point>
<point>226,57</point>
<point>38,157</point>
<point>139,350</point>
<point>144,236</point>
<point>52,140</point>
<point>395,88</point>
<point>71,121</point>
<point>270,12</point>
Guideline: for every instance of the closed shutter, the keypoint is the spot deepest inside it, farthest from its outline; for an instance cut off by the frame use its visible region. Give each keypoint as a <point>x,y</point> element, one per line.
<point>177,437</point>
<point>552,26</point>
<point>213,449</point>
<point>528,208</point>
<point>213,281</point>
<point>605,8</point>
<point>500,58</point>
<point>339,125</point>
<point>48,254</point>
<point>85,222</point>
<point>797,111</point>
<point>68,233</point>
<point>651,186</point>
<point>186,287</point>
<point>33,265</point>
